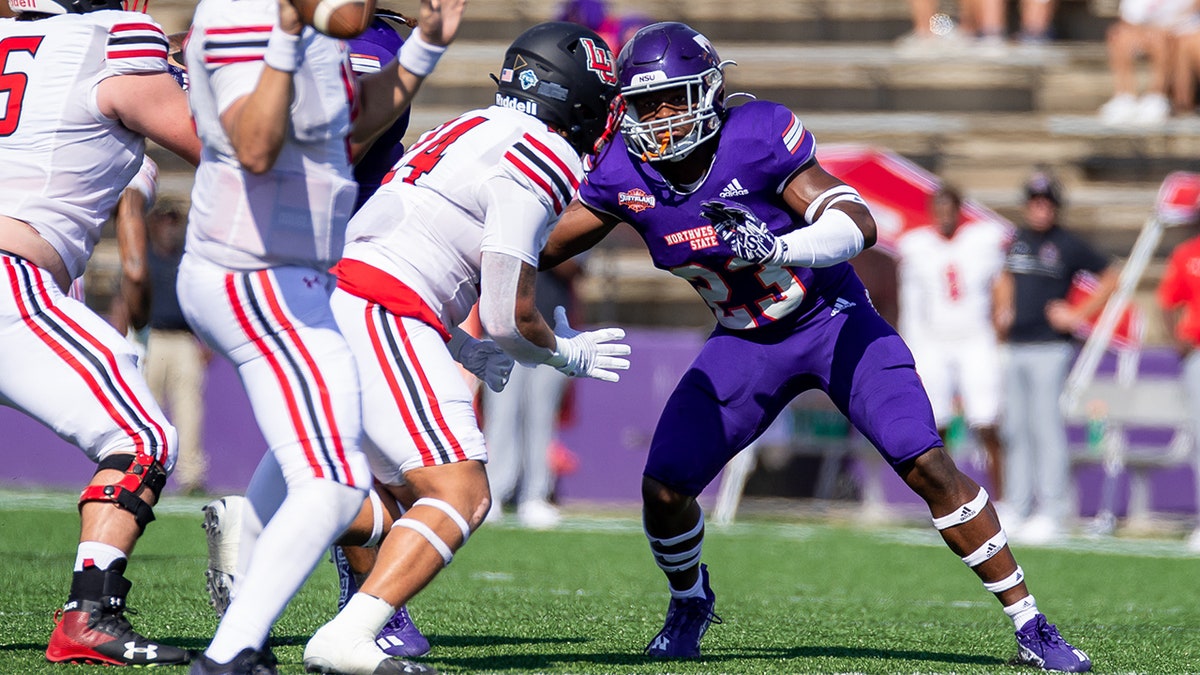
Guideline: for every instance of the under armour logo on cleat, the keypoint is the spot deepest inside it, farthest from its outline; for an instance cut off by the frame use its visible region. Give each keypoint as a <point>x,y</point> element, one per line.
<point>150,652</point>
<point>661,642</point>
<point>840,306</point>
<point>310,281</point>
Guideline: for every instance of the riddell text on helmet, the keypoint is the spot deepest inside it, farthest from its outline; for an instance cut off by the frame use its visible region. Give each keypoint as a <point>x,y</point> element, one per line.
<point>530,107</point>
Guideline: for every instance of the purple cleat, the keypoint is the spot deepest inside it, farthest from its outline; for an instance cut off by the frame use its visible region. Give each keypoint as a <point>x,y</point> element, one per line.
<point>687,622</point>
<point>1039,644</point>
<point>399,636</point>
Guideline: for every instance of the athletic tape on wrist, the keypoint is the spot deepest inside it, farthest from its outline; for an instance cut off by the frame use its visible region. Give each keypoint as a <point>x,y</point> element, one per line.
<point>283,51</point>
<point>1006,583</point>
<point>377,524</point>
<point>450,512</point>
<point>418,56</point>
<point>963,513</point>
<point>990,548</point>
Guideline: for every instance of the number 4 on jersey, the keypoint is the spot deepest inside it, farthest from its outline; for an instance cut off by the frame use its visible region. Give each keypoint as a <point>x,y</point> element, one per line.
<point>428,151</point>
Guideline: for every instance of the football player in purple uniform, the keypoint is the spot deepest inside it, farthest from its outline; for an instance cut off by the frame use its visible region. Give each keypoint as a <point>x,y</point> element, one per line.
<point>734,201</point>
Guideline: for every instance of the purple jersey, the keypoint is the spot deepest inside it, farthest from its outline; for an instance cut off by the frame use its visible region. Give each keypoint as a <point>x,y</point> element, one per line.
<point>760,149</point>
<point>813,327</point>
<point>369,52</point>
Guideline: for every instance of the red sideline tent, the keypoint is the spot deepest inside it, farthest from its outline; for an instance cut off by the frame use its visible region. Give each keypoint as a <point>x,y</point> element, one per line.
<point>898,192</point>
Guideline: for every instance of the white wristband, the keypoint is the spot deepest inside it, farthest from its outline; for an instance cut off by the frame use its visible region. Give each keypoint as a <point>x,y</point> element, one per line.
<point>418,56</point>
<point>283,51</point>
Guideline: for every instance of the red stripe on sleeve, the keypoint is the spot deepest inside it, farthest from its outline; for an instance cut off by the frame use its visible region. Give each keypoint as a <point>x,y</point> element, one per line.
<point>138,54</point>
<point>533,176</point>
<point>567,172</point>
<point>222,60</point>
<point>123,27</point>
<point>233,30</point>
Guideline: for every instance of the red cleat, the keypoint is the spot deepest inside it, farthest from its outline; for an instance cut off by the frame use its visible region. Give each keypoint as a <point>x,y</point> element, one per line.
<point>91,632</point>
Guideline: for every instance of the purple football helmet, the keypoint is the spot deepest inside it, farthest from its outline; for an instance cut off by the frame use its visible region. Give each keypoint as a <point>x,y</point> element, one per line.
<point>671,55</point>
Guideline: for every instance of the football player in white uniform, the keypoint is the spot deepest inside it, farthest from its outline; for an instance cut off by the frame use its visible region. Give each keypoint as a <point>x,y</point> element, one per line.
<point>461,218</point>
<point>947,271</point>
<point>86,83</point>
<point>281,115</point>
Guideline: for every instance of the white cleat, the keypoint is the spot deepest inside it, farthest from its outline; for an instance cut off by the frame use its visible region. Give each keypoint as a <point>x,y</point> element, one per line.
<point>538,514</point>
<point>332,650</point>
<point>222,528</point>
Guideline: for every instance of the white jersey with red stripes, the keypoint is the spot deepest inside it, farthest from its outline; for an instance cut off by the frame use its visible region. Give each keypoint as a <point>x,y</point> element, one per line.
<point>65,162</point>
<point>428,225</point>
<point>946,283</point>
<point>296,213</point>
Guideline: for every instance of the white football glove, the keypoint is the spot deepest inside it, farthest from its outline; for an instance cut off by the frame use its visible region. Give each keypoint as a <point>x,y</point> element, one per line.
<point>587,354</point>
<point>484,358</point>
<point>745,232</point>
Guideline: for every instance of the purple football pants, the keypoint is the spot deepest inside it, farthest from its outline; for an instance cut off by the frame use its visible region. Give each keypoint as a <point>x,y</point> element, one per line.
<point>742,380</point>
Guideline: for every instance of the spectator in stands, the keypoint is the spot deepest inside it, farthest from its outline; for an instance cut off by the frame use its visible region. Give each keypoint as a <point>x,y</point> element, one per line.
<point>1031,313</point>
<point>981,26</point>
<point>175,360</point>
<point>592,14</point>
<point>1036,18</point>
<point>616,29</point>
<point>1150,28</point>
<point>1179,296</point>
<point>1186,68</point>
<point>947,271</point>
<point>520,421</point>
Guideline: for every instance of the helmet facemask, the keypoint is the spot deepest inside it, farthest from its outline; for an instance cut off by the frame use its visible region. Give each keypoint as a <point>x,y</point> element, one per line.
<point>662,139</point>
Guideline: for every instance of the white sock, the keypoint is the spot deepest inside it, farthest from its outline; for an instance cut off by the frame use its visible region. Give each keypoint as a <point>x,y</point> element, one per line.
<point>696,591</point>
<point>314,513</point>
<point>1022,611</point>
<point>100,555</point>
<point>364,614</point>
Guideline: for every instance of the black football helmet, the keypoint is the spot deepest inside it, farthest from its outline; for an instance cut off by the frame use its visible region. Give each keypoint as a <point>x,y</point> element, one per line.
<point>562,74</point>
<point>63,6</point>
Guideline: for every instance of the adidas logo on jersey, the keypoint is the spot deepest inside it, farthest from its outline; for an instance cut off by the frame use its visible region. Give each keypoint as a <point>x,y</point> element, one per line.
<point>734,189</point>
<point>840,306</point>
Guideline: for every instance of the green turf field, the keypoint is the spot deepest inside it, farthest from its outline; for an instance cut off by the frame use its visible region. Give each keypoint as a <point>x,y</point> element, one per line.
<point>795,597</point>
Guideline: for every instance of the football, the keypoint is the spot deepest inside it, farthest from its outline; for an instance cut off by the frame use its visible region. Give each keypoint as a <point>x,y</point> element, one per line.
<point>343,19</point>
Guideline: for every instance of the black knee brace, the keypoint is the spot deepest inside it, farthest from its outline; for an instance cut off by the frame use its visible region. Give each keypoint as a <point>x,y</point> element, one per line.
<point>141,470</point>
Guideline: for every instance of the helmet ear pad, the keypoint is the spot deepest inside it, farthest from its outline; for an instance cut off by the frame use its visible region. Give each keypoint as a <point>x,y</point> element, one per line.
<point>663,56</point>
<point>563,74</point>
